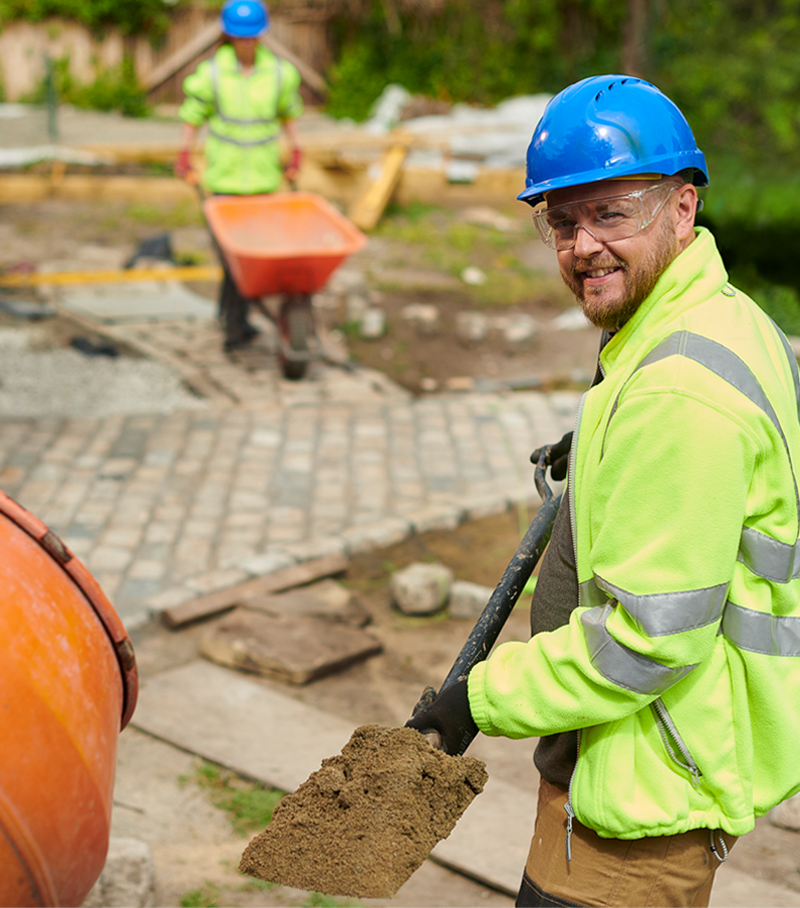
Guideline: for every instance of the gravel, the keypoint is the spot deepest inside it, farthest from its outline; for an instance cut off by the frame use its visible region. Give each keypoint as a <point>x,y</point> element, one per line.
<point>64,382</point>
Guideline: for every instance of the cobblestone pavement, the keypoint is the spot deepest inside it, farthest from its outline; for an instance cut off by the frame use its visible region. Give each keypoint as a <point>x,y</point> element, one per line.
<point>162,508</point>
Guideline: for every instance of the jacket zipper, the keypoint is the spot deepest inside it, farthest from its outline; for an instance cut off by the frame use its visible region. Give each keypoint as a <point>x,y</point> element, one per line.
<point>670,736</point>
<point>568,805</point>
<point>573,530</point>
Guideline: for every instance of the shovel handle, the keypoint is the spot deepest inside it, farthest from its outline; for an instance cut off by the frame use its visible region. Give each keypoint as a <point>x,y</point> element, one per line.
<point>508,590</point>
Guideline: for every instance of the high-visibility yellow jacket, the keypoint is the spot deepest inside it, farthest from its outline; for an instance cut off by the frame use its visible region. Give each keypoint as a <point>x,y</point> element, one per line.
<point>681,663</point>
<point>244,114</point>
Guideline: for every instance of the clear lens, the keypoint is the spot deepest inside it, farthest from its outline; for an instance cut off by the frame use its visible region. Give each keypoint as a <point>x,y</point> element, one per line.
<point>607,220</point>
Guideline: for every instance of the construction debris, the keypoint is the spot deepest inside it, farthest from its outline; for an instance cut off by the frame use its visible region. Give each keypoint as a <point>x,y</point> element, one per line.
<point>224,600</point>
<point>293,648</point>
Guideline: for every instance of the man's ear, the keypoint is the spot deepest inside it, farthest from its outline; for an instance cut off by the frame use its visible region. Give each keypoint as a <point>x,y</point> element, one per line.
<point>685,209</point>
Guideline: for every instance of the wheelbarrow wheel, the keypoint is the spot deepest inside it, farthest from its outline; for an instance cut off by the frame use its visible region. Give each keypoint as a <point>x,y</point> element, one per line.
<point>296,327</point>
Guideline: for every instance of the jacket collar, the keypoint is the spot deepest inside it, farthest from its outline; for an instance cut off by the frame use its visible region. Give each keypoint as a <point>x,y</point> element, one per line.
<point>692,277</point>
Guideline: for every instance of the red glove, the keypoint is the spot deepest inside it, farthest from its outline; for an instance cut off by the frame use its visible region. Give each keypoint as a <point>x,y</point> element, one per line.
<point>183,164</point>
<point>293,166</point>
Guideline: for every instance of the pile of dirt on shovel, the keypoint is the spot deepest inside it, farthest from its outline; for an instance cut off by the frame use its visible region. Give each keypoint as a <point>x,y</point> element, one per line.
<point>366,820</point>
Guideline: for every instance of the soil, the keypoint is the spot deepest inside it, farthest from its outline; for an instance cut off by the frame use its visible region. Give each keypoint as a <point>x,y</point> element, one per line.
<point>396,271</point>
<point>364,822</point>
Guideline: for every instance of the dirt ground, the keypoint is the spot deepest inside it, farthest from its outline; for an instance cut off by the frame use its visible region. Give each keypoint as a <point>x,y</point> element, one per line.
<point>414,257</point>
<point>409,260</point>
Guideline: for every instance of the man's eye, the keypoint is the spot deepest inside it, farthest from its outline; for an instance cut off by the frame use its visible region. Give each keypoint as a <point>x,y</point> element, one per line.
<point>615,216</point>
<point>561,225</point>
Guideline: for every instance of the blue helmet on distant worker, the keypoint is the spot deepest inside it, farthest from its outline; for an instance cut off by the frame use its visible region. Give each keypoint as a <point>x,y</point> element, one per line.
<point>244,18</point>
<point>608,127</point>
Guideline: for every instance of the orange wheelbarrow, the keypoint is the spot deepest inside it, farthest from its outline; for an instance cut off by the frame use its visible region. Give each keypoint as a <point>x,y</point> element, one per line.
<point>284,245</point>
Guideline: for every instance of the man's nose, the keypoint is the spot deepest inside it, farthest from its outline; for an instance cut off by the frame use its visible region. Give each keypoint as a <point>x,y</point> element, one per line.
<point>586,243</point>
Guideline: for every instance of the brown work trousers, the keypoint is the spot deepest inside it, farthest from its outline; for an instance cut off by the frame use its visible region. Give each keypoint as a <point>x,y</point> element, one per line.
<point>675,870</point>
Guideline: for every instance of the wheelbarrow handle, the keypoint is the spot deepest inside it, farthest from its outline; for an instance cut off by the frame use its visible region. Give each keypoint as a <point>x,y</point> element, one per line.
<point>502,601</point>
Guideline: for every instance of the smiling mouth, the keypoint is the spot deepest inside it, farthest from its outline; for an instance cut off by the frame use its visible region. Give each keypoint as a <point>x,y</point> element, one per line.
<point>599,272</point>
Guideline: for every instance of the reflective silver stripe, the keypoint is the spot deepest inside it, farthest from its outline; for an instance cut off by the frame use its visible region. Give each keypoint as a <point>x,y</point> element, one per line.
<point>591,594</point>
<point>660,614</point>
<point>719,360</point>
<point>236,122</point>
<point>764,556</point>
<point>767,557</point>
<point>623,666</point>
<point>224,138</point>
<point>760,632</point>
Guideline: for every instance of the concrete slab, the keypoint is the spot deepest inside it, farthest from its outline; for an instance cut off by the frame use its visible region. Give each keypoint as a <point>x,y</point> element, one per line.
<point>293,648</point>
<point>232,720</point>
<point>110,304</point>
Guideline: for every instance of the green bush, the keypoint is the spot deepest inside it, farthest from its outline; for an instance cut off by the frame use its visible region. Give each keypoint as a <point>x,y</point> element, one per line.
<point>132,17</point>
<point>114,88</point>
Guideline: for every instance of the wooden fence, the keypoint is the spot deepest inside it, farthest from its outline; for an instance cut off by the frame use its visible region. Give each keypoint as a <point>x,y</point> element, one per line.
<point>24,48</point>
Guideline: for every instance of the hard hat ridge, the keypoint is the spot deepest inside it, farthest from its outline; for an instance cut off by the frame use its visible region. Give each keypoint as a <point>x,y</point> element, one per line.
<point>607,127</point>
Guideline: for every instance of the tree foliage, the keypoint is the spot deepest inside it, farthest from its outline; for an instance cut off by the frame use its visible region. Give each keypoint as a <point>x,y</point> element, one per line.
<point>132,17</point>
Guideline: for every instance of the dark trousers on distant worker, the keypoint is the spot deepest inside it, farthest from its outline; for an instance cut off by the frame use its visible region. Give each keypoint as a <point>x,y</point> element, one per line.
<point>675,870</point>
<point>233,309</point>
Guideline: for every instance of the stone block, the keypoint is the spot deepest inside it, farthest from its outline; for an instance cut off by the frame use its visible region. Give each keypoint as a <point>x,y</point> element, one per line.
<point>128,879</point>
<point>421,589</point>
<point>468,600</point>
<point>297,649</point>
<point>325,599</point>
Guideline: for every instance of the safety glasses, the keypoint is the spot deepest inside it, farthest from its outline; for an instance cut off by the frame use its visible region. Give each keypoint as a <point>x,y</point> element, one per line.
<point>608,220</point>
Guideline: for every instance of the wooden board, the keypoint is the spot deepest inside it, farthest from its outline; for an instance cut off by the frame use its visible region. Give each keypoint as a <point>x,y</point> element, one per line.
<point>120,276</point>
<point>369,206</point>
<point>223,600</point>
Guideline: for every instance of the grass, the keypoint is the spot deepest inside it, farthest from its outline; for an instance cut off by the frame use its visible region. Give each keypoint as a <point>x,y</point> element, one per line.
<point>207,896</point>
<point>249,805</point>
<point>441,239</point>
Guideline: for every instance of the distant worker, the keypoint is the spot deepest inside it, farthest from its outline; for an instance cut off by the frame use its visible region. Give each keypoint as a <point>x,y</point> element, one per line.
<point>246,94</point>
<point>662,676</point>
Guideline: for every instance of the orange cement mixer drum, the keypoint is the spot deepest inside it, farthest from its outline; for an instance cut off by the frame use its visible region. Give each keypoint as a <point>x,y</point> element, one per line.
<point>68,685</point>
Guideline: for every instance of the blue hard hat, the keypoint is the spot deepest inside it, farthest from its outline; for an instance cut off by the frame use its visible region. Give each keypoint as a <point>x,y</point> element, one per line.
<point>244,18</point>
<point>605,127</point>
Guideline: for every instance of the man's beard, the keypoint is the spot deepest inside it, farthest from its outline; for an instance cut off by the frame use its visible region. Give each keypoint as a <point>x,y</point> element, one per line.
<point>639,284</point>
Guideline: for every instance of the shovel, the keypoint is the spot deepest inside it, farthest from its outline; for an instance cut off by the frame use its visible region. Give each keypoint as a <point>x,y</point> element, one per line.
<point>368,818</point>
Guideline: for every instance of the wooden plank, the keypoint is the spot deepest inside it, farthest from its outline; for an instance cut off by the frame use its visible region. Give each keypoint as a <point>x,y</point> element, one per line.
<point>285,579</point>
<point>120,276</point>
<point>367,209</point>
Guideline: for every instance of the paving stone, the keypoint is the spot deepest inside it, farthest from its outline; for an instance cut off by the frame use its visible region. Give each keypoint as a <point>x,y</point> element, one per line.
<point>378,535</point>
<point>128,879</point>
<point>435,518</point>
<point>296,648</point>
<point>468,600</point>
<point>324,599</point>
<point>420,589</point>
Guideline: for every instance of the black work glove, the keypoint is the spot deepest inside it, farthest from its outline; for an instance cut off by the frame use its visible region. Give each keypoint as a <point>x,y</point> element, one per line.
<point>559,457</point>
<point>449,715</point>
